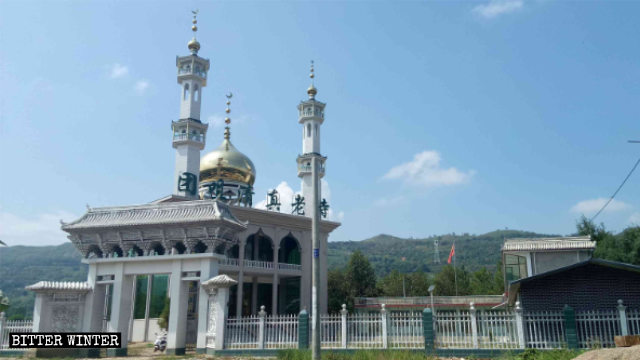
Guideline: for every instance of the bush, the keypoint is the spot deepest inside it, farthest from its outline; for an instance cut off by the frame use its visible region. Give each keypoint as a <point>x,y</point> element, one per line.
<point>357,355</point>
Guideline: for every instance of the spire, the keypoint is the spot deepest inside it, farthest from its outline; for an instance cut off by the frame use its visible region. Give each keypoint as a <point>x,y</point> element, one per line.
<point>312,91</point>
<point>194,45</point>
<point>227,120</point>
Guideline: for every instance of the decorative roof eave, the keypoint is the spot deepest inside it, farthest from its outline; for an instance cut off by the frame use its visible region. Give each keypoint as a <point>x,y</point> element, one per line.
<point>67,286</point>
<point>562,243</point>
<point>170,213</point>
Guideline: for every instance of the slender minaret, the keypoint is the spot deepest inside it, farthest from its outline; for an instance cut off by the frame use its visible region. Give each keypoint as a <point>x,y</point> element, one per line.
<point>311,116</point>
<point>189,132</point>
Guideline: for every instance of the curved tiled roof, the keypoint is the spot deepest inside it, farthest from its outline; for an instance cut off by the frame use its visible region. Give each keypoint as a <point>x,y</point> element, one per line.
<point>155,214</point>
<point>59,285</point>
<point>560,243</point>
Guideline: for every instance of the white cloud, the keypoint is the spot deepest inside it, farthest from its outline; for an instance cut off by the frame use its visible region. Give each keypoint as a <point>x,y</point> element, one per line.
<point>387,201</point>
<point>496,8</point>
<point>141,86</point>
<point>217,120</point>
<point>634,219</point>
<point>425,170</point>
<point>286,198</point>
<point>593,205</point>
<point>287,194</point>
<point>118,71</point>
<point>43,229</point>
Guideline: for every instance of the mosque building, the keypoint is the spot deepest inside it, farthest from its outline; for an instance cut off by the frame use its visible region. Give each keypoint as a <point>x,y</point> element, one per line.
<point>140,255</point>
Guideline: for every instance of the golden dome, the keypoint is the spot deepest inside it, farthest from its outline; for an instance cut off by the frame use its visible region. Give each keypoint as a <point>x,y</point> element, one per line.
<point>228,164</point>
<point>193,45</point>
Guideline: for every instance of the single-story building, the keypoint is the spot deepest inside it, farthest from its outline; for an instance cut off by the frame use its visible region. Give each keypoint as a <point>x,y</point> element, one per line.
<point>588,285</point>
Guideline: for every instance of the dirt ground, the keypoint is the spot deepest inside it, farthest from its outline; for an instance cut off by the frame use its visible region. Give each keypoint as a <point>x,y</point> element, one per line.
<point>628,353</point>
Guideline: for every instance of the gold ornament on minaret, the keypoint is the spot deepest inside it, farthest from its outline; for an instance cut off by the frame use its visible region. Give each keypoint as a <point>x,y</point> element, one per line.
<point>312,91</point>
<point>193,44</point>
<point>226,162</point>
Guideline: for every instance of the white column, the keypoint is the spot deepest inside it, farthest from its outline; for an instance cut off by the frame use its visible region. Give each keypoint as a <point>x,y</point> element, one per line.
<point>383,318</point>
<point>474,325</point>
<point>208,269</point>
<point>343,328</point>
<point>121,307</point>
<point>177,311</point>
<point>217,289</point>
<point>520,325</point>
<point>624,326</point>
<point>262,314</point>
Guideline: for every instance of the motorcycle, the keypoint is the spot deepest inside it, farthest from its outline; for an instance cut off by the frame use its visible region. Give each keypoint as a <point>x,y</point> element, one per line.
<point>161,342</point>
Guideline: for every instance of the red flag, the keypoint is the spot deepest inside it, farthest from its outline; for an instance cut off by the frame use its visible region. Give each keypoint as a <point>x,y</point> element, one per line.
<point>453,252</point>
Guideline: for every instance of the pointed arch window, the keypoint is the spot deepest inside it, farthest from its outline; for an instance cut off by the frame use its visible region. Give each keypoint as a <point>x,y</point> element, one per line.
<point>185,93</point>
<point>308,130</point>
<point>196,93</point>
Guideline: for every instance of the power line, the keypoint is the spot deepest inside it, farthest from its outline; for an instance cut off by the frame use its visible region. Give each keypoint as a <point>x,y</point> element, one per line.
<point>618,189</point>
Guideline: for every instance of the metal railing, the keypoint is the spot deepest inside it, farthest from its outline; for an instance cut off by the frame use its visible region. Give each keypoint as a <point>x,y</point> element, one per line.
<point>9,326</point>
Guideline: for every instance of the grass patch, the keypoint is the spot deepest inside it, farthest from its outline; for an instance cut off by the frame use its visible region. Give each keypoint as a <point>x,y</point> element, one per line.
<point>357,355</point>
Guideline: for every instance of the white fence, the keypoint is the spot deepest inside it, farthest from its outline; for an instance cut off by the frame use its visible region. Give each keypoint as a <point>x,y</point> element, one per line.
<point>544,329</point>
<point>454,329</point>
<point>597,328</point>
<point>9,326</point>
<point>405,330</point>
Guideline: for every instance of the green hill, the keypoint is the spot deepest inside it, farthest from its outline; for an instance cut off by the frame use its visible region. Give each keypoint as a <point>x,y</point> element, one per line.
<point>386,252</point>
<point>24,265</point>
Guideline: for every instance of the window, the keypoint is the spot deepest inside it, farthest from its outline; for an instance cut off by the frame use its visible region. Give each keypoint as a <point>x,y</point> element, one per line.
<point>186,92</point>
<point>196,95</point>
<point>317,130</point>
<point>308,130</point>
<point>140,304</point>
<point>515,267</point>
<point>159,285</point>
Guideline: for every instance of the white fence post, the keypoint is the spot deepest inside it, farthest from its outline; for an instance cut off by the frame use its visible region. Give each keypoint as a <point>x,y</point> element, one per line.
<point>383,316</point>
<point>262,315</point>
<point>343,313</point>
<point>624,328</point>
<point>520,326</point>
<point>2,323</point>
<point>474,325</point>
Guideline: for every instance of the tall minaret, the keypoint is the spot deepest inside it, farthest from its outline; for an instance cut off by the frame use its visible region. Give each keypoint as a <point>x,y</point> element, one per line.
<point>189,132</point>
<point>311,116</point>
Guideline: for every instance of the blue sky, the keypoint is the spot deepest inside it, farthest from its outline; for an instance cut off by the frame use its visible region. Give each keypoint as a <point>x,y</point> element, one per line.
<point>441,117</point>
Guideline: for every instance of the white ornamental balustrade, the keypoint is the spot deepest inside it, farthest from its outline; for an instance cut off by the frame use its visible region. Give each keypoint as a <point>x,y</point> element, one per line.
<point>9,326</point>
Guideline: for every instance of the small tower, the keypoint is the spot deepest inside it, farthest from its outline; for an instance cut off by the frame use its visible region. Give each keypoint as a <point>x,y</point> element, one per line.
<point>189,132</point>
<point>311,116</point>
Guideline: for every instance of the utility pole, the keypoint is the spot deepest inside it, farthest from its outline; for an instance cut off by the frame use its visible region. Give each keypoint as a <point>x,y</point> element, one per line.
<point>315,263</point>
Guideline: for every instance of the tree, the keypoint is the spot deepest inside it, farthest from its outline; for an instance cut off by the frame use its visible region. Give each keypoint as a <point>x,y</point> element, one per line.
<point>445,281</point>
<point>338,292</point>
<point>391,285</point>
<point>163,321</point>
<point>4,302</point>
<point>586,227</point>
<point>482,282</point>
<point>360,276</point>
<point>418,284</point>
